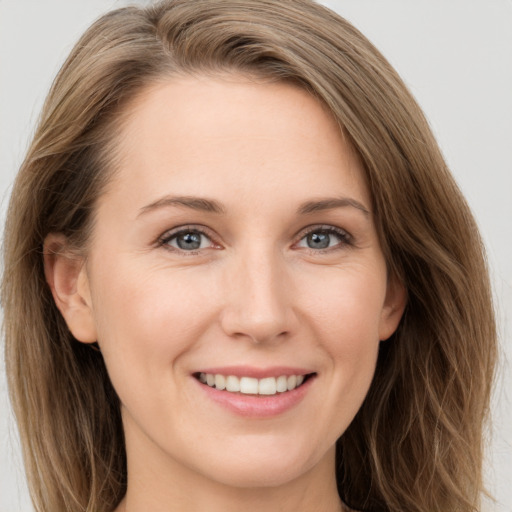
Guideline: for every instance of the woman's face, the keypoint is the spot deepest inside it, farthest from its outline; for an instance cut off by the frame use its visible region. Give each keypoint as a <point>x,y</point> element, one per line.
<point>236,245</point>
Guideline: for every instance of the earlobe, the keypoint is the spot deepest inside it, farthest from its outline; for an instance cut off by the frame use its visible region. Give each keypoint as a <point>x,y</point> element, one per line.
<point>394,306</point>
<point>66,275</point>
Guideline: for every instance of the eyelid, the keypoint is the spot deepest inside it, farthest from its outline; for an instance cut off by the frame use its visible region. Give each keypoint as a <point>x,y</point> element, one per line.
<point>343,234</point>
<point>163,240</point>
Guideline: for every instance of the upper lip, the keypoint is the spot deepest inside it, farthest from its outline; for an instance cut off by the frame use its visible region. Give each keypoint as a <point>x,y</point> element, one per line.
<point>255,372</point>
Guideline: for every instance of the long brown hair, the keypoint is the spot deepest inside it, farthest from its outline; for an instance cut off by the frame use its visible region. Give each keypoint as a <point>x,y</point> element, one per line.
<point>416,443</point>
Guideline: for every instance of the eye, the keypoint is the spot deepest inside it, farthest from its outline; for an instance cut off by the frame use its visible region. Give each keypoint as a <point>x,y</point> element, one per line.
<point>321,238</point>
<point>187,240</point>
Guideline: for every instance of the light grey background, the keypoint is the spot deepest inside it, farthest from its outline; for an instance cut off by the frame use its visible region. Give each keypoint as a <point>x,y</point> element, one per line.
<point>455,56</point>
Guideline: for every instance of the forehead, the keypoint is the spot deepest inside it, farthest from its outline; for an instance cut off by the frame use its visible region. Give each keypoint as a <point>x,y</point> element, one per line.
<point>231,136</point>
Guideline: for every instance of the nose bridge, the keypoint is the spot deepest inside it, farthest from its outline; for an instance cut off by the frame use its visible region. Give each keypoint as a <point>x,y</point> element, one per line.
<point>259,305</point>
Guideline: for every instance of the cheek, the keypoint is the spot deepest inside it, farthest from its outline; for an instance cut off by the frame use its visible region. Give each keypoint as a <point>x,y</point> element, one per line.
<point>346,323</point>
<point>351,340</point>
<point>347,304</point>
<point>148,300</point>
<point>146,320</point>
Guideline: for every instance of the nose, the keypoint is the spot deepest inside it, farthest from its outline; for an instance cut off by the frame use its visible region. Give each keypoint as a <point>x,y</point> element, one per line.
<point>258,295</point>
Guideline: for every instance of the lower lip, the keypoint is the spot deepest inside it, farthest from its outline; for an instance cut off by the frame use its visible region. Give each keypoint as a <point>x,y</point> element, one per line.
<point>258,406</point>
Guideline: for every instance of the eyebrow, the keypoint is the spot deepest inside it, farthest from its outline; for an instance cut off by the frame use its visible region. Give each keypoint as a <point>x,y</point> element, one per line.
<point>210,205</point>
<point>194,203</point>
<point>330,204</point>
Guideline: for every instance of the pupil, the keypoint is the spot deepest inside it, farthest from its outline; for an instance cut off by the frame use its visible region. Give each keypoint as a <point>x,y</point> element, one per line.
<point>189,241</point>
<point>318,240</point>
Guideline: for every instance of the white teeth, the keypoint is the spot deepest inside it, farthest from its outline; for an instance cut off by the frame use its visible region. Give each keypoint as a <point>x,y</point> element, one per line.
<point>267,386</point>
<point>233,384</point>
<point>291,382</point>
<point>281,384</point>
<point>220,382</point>
<point>250,385</point>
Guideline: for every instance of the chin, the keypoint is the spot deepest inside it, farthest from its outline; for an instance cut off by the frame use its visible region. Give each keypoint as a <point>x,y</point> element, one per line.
<point>266,475</point>
<point>266,467</point>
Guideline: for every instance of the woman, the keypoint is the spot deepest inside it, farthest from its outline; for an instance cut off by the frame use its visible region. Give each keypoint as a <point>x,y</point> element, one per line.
<point>253,282</point>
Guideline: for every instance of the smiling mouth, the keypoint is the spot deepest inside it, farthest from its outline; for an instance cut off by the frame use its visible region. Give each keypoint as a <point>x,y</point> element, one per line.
<point>252,386</point>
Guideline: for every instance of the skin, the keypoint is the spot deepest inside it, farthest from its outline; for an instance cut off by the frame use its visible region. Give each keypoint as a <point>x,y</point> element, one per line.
<point>255,293</point>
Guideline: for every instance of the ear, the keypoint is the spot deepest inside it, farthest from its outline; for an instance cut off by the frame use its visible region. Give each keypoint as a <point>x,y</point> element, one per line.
<point>393,309</point>
<point>66,275</point>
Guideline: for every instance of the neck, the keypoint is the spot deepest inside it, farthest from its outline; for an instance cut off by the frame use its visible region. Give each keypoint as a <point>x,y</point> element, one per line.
<point>285,499</point>
<point>172,488</point>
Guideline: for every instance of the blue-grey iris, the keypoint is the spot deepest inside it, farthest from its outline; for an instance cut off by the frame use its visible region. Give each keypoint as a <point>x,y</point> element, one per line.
<point>318,240</point>
<point>189,241</point>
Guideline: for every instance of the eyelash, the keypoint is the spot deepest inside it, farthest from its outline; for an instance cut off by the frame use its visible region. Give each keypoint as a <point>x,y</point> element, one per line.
<point>345,238</point>
<point>167,237</point>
